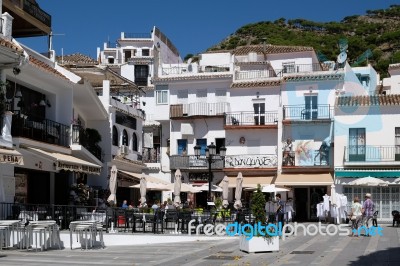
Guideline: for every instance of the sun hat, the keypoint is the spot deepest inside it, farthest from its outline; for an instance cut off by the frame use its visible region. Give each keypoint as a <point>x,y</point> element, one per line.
<point>368,195</point>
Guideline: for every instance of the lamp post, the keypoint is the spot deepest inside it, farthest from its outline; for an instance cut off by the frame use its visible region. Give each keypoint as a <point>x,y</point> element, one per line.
<point>211,156</point>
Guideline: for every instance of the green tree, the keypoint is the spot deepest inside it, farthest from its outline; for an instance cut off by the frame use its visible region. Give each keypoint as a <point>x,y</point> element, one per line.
<point>258,206</point>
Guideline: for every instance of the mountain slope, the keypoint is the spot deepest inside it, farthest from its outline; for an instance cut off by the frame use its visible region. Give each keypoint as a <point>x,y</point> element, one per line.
<point>378,30</point>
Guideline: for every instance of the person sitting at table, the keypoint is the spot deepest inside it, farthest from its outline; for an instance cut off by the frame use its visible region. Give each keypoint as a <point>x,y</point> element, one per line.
<point>170,206</point>
<point>124,204</point>
<point>155,206</point>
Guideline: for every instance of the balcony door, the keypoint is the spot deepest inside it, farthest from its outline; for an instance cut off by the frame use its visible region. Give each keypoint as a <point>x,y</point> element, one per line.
<point>259,113</point>
<point>397,143</point>
<point>311,107</point>
<point>357,144</point>
<point>182,146</point>
<point>203,145</point>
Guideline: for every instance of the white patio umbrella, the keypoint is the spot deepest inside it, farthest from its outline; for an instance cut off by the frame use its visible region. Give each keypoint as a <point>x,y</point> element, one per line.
<point>238,192</point>
<point>112,199</point>
<point>368,181</point>
<point>396,181</point>
<point>225,191</point>
<point>153,186</point>
<point>334,201</point>
<point>184,188</point>
<point>143,188</point>
<point>273,189</point>
<point>214,188</point>
<point>177,187</point>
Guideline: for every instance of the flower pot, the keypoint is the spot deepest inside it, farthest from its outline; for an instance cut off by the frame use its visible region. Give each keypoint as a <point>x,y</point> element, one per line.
<point>259,244</point>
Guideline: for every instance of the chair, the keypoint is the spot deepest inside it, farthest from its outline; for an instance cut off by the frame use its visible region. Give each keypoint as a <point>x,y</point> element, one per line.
<point>171,216</point>
<point>158,221</point>
<point>185,217</point>
<point>235,122</point>
<point>396,218</point>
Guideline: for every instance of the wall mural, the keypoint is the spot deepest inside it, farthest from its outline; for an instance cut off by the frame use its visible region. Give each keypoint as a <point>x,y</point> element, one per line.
<point>251,161</point>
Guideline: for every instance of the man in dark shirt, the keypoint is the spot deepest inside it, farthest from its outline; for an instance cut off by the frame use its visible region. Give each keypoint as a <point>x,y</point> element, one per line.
<point>280,209</point>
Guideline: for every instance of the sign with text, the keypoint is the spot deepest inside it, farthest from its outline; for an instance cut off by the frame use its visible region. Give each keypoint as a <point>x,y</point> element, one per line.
<point>251,161</point>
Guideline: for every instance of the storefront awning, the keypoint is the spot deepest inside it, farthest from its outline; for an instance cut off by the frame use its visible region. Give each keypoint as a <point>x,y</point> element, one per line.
<point>11,157</point>
<point>251,181</point>
<point>151,179</point>
<point>304,180</point>
<point>68,162</point>
<point>373,173</point>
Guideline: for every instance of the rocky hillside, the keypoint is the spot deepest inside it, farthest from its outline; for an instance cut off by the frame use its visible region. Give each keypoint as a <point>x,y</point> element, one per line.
<point>378,31</point>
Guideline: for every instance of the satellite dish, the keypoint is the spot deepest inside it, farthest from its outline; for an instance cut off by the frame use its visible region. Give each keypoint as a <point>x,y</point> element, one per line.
<point>342,57</point>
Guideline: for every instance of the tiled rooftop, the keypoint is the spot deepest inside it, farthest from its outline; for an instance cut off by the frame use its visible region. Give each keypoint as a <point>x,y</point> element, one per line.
<point>76,59</point>
<point>191,77</point>
<point>46,67</point>
<point>310,76</point>
<point>11,45</point>
<point>251,84</point>
<point>368,100</point>
<point>394,66</point>
<point>270,49</point>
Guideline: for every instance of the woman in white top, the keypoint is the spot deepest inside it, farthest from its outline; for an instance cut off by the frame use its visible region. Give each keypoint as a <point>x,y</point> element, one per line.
<point>356,215</point>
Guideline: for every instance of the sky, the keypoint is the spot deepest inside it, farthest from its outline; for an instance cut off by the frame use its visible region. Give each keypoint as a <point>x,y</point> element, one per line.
<point>80,26</point>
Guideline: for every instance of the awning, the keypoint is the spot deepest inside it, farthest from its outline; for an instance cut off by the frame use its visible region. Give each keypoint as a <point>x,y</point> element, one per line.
<point>68,162</point>
<point>11,157</point>
<point>251,181</point>
<point>373,173</point>
<point>304,180</point>
<point>148,178</point>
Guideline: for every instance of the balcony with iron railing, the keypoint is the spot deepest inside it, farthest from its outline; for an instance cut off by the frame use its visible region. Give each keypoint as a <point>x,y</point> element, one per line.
<point>80,137</point>
<point>151,155</point>
<point>199,109</point>
<point>372,155</point>
<point>191,162</point>
<point>303,158</point>
<point>194,69</point>
<point>320,112</point>
<point>133,35</point>
<point>127,108</point>
<point>241,120</point>
<point>39,129</point>
<point>284,71</point>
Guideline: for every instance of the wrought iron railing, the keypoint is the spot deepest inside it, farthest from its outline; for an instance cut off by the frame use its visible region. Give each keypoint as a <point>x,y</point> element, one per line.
<point>129,35</point>
<point>176,70</point>
<point>151,155</point>
<point>39,129</point>
<point>251,118</point>
<point>255,74</point>
<point>306,158</point>
<point>368,153</point>
<point>192,162</point>
<point>198,109</point>
<point>35,11</point>
<point>78,137</point>
<point>308,112</point>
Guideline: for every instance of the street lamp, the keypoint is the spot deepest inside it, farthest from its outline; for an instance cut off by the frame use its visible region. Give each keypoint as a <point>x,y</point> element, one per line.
<point>211,156</point>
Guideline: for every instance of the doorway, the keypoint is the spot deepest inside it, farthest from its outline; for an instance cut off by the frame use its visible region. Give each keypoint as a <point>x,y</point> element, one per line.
<point>301,200</point>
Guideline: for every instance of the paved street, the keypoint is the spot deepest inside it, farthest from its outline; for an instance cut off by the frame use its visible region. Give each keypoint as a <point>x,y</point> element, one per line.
<point>299,250</point>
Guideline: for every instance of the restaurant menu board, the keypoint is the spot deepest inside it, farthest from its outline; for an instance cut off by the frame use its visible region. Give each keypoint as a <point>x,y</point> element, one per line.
<point>21,188</point>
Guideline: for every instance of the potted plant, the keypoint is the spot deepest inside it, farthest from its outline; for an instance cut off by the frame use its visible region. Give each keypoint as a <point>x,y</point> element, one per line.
<point>262,240</point>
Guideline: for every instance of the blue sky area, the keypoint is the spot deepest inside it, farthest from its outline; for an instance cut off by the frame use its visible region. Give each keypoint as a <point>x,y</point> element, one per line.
<point>80,26</point>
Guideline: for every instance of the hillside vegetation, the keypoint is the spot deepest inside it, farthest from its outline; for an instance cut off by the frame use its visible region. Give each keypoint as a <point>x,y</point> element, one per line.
<point>377,30</point>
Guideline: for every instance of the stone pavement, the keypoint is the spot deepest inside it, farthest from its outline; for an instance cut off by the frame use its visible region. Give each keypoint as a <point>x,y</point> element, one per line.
<point>150,249</point>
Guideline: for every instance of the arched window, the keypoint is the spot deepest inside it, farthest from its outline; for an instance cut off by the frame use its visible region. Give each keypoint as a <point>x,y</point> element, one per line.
<point>125,139</point>
<point>115,136</point>
<point>134,142</point>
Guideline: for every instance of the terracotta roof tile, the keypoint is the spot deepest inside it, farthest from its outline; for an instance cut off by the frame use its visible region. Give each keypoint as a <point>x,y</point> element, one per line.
<point>191,77</point>
<point>311,76</point>
<point>11,45</point>
<point>46,67</point>
<point>368,100</point>
<point>76,59</point>
<point>251,84</point>
<point>270,49</point>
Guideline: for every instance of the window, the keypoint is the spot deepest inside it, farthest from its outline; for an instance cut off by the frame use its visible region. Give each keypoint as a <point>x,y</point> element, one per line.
<point>311,107</point>
<point>259,113</point>
<point>134,142</point>
<point>125,140</point>
<point>115,136</point>
<point>128,54</point>
<point>203,145</point>
<point>110,60</point>
<point>202,95</point>
<point>146,52</point>
<point>288,67</point>
<point>219,143</point>
<point>182,146</point>
<point>141,75</point>
<point>397,143</point>
<point>357,144</point>
<point>162,94</point>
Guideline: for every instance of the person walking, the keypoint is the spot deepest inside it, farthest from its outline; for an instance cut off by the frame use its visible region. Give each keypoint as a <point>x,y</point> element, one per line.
<point>367,210</point>
<point>280,209</point>
<point>356,216</point>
